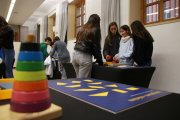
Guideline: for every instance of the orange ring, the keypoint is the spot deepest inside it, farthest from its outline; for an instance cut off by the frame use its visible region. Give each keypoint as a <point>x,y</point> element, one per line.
<point>30,85</point>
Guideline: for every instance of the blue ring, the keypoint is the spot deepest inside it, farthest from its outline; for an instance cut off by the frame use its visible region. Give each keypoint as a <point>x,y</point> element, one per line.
<point>30,56</point>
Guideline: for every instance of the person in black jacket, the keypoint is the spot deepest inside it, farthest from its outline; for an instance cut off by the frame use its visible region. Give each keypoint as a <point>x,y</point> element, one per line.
<point>111,45</point>
<point>143,43</point>
<point>87,44</point>
<point>6,43</point>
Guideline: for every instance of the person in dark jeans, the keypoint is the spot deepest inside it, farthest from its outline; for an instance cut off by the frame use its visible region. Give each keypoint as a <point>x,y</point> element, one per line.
<point>2,66</point>
<point>6,43</point>
<point>2,70</point>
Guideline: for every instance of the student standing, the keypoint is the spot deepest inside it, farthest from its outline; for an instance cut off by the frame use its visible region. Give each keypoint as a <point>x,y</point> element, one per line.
<point>44,47</point>
<point>62,55</point>
<point>6,43</point>
<point>87,45</point>
<point>126,47</point>
<point>111,45</point>
<point>143,42</point>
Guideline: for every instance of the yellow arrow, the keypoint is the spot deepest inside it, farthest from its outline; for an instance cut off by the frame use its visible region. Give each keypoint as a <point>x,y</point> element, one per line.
<point>73,86</point>
<point>132,88</point>
<point>96,87</point>
<point>113,85</point>
<point>76,81</point>
<point>85,89</point>
<point>118,90</point>
<point>88,80</point>
<point>103,94</point>
<point>95,83</point>
<point>61,83</point>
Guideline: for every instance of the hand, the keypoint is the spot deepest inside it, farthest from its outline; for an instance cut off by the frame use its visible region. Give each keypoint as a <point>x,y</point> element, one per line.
<point>115,60</point>
<point>100,62</point>
<point>108,57</point>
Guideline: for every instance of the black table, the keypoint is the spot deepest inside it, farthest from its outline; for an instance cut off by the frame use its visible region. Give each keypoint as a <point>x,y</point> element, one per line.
<point>165,108</point>
<point>77,108</point>
<point>136,76</point>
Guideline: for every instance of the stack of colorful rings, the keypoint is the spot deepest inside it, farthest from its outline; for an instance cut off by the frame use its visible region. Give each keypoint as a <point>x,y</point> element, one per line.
<point>30,90</point>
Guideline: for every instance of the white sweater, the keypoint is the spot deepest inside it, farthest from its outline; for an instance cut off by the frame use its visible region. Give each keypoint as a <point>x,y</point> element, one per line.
<point>125,50</point>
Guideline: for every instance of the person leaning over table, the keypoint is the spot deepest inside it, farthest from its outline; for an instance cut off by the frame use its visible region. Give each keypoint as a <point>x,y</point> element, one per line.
<point>111,45</point>
<point>143,44</point>
<point>63,55</point>
<point>87,45</point>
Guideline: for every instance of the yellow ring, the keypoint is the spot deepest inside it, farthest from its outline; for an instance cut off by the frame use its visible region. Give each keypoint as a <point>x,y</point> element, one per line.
<point>30,76</point>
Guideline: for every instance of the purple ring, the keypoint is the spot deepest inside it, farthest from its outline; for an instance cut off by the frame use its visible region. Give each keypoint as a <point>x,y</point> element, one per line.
<point>29,107</point>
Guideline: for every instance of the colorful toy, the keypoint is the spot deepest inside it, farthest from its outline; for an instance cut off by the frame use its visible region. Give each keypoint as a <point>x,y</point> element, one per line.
<point>30,89</point>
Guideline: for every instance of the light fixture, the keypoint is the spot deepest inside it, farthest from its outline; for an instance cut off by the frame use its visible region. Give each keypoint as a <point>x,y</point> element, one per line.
<point>10,9</point>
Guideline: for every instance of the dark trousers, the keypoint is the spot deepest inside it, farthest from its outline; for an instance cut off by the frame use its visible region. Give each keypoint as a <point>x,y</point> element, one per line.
<point>2,70</point>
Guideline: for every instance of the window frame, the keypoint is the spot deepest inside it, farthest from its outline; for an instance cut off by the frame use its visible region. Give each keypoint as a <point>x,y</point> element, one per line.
<point>81,3</point>
<point>160,12</point>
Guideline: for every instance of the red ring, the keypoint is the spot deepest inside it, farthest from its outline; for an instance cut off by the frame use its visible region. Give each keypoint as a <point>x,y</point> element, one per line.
<point>21,96</point>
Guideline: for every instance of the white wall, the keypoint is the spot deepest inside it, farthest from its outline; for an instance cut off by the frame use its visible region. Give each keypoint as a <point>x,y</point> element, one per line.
<point>93,7</point>
<point>57,26</point>
<point>23,33</point>
<point>41,22</point>
<point>16,49</point>
<point>124,11</point>
<point>166,57</point>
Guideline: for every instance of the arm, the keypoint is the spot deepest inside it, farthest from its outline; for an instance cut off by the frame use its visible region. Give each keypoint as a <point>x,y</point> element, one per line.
<point>106,48</point>
<point>96,50</point>
<point>54,48</point>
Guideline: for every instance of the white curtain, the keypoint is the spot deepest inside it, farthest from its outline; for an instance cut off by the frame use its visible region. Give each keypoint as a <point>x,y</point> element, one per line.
<point>45,28</point>
<point>63,20</point>
<point>110,13</point>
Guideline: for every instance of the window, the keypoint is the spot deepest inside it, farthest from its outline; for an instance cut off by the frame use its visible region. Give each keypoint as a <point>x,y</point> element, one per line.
<point>160,10</point>
<point>80,15</point>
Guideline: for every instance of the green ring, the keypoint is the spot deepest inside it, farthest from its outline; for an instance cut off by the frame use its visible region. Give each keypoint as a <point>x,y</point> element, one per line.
<point>30,76</point>
<point>29,66</point>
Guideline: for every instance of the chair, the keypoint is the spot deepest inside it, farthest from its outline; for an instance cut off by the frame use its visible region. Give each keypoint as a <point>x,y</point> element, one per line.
<point>70,72</point>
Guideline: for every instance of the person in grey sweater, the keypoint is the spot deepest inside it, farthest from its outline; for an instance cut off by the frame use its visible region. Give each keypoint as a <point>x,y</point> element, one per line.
<point>62,55</point>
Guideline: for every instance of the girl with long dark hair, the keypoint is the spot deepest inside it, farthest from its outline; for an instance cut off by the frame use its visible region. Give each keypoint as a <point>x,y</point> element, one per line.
<point>111,45</point>
<point>87,45</point>
<point>143,43</point>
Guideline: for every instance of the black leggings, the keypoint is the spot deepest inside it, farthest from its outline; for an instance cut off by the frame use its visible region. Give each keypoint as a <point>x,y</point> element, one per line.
<point>2,70</point>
